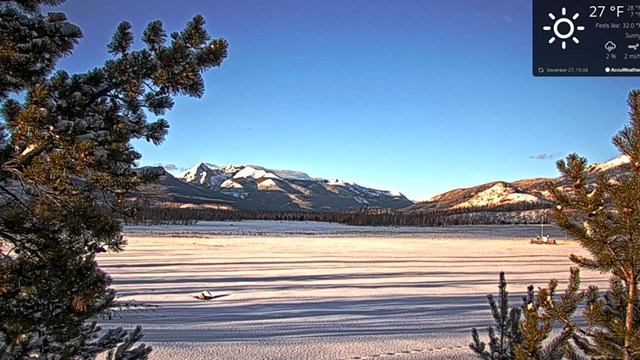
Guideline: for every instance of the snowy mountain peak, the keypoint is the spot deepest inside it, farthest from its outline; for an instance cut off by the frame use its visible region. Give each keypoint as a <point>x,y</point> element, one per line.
<point>613,163</point>
<point>195,173</point>
<point>199,173</point>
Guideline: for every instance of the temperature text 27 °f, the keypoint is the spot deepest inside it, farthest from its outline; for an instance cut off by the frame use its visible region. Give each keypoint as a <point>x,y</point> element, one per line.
<point>598,11</point>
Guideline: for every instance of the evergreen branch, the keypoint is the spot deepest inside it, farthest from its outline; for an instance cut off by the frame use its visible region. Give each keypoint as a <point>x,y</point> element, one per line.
<point>15,198</point>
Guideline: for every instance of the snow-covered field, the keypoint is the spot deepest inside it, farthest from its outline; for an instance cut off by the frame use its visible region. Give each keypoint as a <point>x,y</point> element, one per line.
<point>324,291</point>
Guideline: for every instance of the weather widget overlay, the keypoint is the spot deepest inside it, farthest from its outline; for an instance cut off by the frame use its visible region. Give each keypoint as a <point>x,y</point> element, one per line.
<point>586,38</point>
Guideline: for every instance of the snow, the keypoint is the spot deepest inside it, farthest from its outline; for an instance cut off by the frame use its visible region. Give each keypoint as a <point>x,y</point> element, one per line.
<point>70,30</point>
<point>291,175</point>
<point>361,200</point>
<point>387,191</point>
<point>256,173</point>
<point>230,184</point>
<point>64,126</point>
<point>270,176</point>
<point>617,161</point>
<point>498,194</point>
<point>267,184</point>
<point>29,149</point>
<point>324,291</point>
<point>197,171</point>
<point>217,178</point>
<point>249,172</point>
<point>338,182</point>
<point>371,191</point>
<point>519,197</point>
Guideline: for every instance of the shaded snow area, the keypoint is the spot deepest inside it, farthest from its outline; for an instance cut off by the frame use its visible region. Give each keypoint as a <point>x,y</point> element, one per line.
<point>498,194</point>
<point>362,190</point>
<point>324,229</point>
<point>291,174</point>
<point>322,297</point>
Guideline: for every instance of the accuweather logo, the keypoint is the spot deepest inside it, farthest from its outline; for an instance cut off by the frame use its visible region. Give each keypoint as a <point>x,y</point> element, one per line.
<point>622,70</point>
<point>563,28</point>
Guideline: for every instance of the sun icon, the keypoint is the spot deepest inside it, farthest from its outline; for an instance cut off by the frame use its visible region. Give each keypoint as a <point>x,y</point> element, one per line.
<point>567,33</point>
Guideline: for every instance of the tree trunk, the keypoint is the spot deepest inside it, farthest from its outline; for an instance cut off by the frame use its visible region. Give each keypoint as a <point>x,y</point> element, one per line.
<point>631,300</point>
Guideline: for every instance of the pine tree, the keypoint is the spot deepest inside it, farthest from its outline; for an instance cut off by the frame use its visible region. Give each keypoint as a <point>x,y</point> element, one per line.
<point>506,334</point>
<point>523,332</point>
<point>542,312</point>
<point>66,166</point>
<point>603,218</point>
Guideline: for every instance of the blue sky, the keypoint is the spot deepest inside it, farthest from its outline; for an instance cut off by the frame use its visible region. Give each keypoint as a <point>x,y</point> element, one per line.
<point>420,96</point>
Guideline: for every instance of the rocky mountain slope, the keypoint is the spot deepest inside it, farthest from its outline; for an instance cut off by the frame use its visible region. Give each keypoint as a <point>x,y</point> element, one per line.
<point>526,193</point>
<point>169,191</point>
<point>252,187</point>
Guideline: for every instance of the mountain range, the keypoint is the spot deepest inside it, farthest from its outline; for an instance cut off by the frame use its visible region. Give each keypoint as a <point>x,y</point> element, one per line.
<point>252,187</point>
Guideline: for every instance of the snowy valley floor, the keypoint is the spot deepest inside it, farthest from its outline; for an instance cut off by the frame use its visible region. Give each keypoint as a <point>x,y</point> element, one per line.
<point>373,293</point>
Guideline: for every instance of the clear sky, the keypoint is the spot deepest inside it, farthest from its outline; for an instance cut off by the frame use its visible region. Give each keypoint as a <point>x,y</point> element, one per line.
<point>420,96</point>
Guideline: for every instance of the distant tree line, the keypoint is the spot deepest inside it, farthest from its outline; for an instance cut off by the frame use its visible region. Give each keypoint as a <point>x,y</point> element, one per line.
<point>480,215</point>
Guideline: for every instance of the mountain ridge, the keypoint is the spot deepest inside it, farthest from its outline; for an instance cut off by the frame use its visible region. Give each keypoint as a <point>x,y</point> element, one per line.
<point>254,187</point>
<point>532,191</point>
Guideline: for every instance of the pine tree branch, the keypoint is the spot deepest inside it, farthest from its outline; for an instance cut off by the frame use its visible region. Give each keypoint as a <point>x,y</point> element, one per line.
<point>15,198</point>
<point>25,160</point>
